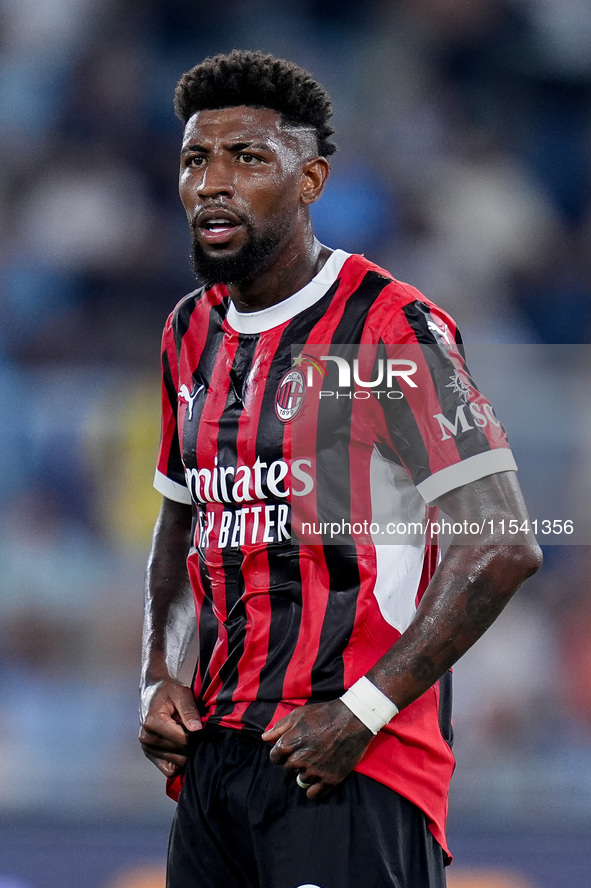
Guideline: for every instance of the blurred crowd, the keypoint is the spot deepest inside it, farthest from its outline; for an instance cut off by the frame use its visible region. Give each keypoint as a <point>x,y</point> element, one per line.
<point>464,167</point>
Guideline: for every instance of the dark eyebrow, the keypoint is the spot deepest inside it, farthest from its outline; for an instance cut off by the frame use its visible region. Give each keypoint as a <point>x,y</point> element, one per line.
<point>235,146</point>
<point>240,146</point>
<point>194,147</point>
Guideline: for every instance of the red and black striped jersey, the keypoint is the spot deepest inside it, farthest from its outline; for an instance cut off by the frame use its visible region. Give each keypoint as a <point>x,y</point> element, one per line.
<point>348,405</point>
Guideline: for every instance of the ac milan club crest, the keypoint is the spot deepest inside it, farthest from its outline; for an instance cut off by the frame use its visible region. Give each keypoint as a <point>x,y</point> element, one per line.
<point>290,395</point>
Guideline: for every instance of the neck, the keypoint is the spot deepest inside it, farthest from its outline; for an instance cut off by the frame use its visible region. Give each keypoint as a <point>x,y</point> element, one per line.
<point>296,266</point>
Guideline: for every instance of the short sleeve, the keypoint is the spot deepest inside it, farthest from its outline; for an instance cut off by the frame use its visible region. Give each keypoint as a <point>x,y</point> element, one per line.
<point>169,479</point>
<point>442,429</point>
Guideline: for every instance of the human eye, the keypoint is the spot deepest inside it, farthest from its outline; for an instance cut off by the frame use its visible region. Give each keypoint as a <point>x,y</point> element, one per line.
<point>195,160</point>
<point>249,159</point>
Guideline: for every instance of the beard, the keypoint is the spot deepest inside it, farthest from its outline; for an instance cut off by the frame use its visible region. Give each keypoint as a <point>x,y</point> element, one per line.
<point>251,259</point>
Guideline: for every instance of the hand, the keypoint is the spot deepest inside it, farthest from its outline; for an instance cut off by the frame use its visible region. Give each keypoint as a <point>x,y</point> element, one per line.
<point>322,742</point>
<point>168,718</point>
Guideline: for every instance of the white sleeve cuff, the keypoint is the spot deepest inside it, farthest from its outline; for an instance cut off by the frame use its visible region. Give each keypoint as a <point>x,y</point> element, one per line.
<point>470,469</point>
<point>172,489</point>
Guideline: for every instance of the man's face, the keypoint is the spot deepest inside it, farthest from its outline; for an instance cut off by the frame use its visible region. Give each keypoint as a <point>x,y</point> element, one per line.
<point>241,183</point>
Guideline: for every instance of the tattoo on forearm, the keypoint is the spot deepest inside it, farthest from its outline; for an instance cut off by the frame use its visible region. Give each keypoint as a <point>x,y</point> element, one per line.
<point>482,607</point>
<point>425,670</point>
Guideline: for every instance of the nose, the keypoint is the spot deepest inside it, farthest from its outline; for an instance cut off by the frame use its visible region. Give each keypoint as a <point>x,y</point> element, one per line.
<point>216,181</point>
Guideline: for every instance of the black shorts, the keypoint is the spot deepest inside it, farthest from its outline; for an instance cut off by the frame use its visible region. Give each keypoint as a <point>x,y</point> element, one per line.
<point>243,822</point>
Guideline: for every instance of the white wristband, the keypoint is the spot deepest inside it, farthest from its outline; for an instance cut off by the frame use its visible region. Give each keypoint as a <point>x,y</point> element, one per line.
<point>369,704</point>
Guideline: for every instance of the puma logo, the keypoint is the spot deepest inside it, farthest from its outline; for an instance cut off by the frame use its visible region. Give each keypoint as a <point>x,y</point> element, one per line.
<point>186,395</point>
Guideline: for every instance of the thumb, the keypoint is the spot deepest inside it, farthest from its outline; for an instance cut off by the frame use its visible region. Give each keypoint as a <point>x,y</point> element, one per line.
<point>189,713</point>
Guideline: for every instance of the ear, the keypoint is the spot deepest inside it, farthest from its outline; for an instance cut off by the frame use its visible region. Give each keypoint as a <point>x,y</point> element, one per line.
<point>314,175</point>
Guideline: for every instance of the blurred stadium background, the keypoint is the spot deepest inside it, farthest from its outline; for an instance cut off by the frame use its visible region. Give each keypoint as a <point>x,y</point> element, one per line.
<point>464,168</point>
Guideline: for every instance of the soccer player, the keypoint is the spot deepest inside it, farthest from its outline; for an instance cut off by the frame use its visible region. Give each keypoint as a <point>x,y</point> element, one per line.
<point>313,749</point>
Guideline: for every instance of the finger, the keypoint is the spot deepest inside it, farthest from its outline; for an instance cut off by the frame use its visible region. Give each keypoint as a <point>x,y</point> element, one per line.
<point>167,721</point>
<point>322,784</point>
<point>283,749</point>
<point>311,784</point>
<point>169,769</point>
<point>174,702</point>
<point>188,712</point>
<point>170,733</point>
<point>298,761</point>
<point>302,781</point>
<point>167,734</point>
<point>156,752</point>
<point>156,755</point>
<point>278,729</point>
<point>317,790</point>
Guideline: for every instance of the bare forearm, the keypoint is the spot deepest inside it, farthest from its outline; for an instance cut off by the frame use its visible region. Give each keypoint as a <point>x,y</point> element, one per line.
<point>472,585</point>
<point>169,616</point>
<point>324,741</point>
<point>168,713</point>
<point>466,595</point>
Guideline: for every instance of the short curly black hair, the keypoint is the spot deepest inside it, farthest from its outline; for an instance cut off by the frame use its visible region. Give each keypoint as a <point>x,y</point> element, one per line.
<point>262,81</point>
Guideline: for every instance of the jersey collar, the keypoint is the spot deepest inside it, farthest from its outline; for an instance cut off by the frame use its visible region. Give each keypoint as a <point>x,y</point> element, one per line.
<point>275,315</point>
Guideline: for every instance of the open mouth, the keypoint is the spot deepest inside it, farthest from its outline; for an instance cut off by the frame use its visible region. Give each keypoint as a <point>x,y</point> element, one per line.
<point>216,229</point>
